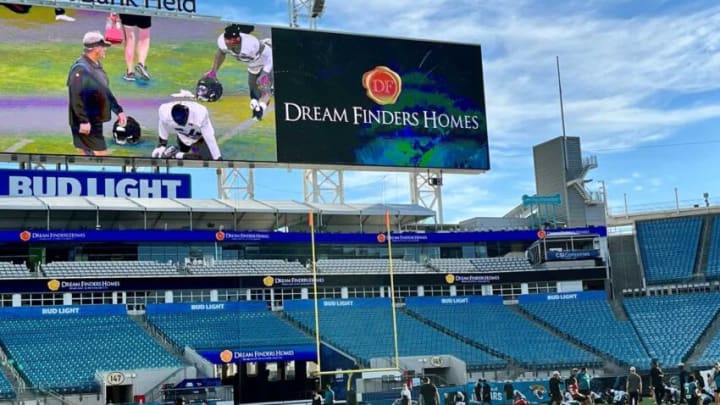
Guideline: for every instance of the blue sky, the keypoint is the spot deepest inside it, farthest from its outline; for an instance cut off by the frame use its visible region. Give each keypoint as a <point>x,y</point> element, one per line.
<point>641,84</point>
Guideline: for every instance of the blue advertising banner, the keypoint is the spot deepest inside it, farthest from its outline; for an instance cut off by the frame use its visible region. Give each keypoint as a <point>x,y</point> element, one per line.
<point>469,300</point>
<point>571,296</point>
<point>572,254</point>
<point>56,183</point>
<point>553,199</point>
<point>246,306</point>
<point>69,310</point>
<point>279,353</point>
<point>273,237</point>
<point>535,391</point>
<point>300,305</point>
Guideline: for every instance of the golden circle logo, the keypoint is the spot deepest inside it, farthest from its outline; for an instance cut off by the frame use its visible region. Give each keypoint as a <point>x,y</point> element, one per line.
<point>450,278</point>
<point>219,236</point>
<point>268,281</point>
<point>382,85</point>
<point>25,236</point>
<point>541,234</point>
<point>381,238</point>
<point>226,356</point>
<point>53,285</point>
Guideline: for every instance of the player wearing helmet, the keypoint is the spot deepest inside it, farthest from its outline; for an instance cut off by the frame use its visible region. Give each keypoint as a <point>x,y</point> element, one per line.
<point>190,122</point>
<point>237,42</point>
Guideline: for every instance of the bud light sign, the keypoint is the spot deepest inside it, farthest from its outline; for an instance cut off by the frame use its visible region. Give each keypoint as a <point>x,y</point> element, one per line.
<point>53,183</point>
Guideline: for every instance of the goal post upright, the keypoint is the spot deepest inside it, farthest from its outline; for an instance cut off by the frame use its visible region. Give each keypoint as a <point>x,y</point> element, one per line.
<point>396,349</point>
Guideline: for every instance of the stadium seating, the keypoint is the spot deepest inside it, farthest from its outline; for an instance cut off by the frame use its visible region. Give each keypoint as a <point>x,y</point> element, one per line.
<point>712,271</point>
<point>501,264</point>
<point>255,267</point>
<point>481,264</point>
<point>593,323</point>
<point>507,332</point>
<point>363,266</point>
<point>237,329</point>
<point>63,353</point>
<point>122,268</point>
<point>668,248</point>
<point>11,270</point>
<point>711,354</point>
<point>453,265</point>
<point>366,333</point>
<point>6,389</point>
<point>670,325</point>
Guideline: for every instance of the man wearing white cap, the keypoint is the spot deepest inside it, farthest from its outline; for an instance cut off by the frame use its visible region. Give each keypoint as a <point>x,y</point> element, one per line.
<point>633,386</point>
<point>90,99</point>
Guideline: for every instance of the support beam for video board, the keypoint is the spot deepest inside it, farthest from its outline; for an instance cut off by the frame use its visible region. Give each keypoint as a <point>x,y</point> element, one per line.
<point>307,11</point>
<point>426,191</point>
<point>236,183</point>
<point>323,186</point>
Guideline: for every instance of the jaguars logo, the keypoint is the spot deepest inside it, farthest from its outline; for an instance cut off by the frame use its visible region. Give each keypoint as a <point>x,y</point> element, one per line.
<point>268,281</point>
<point>450,278</point>
<point>226,356</point>
<point>53,285</point>
<point>538,390</point>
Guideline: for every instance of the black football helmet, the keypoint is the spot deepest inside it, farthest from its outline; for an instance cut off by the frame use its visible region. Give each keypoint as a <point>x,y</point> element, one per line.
<point>208,89</point>
<point>127,135</point>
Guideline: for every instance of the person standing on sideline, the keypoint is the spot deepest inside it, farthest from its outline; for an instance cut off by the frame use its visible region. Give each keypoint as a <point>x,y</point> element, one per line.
<point>90,100</point>
<point>683,378</point>
<point>486,395</point>
<point>428,393</point>
<point>316,398</point>
<point>509,392</point>
<point>583,380</point>
<point>136,29</point>
<point>554,385</point>
<point>691,391</point>
<point>656,379</point>
<point>329,395</point>
<point>405,395</point>
<point>478,390</point>
<point>633,387</point>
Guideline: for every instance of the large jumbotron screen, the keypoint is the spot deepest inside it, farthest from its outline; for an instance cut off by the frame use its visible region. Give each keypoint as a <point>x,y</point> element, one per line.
<point>336,99</point>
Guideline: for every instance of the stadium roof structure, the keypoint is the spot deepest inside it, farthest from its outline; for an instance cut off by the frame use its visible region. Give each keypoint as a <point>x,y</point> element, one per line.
<point>182,213</point>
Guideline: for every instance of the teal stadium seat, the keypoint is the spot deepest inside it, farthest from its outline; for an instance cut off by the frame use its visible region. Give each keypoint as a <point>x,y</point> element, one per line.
<point>500,329</point>
<point>593,323</point>
<point>668,248</point>
<point>366,333</point>
<point>657,318</point>
<point>64,353</point>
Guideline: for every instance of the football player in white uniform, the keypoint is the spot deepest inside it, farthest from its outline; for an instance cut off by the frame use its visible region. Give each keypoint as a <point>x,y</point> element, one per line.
<point>190,121</point>
<point>237,42</point>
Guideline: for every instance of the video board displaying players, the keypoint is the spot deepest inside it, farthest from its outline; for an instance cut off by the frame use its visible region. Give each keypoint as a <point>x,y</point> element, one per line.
<point>159,88</point>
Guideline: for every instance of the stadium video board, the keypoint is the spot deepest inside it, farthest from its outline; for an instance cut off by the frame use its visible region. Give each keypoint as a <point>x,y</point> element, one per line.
<point>285,96</point>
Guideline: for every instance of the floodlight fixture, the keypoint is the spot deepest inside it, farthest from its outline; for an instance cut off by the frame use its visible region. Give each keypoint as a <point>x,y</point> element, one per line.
<point>317,8</point>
